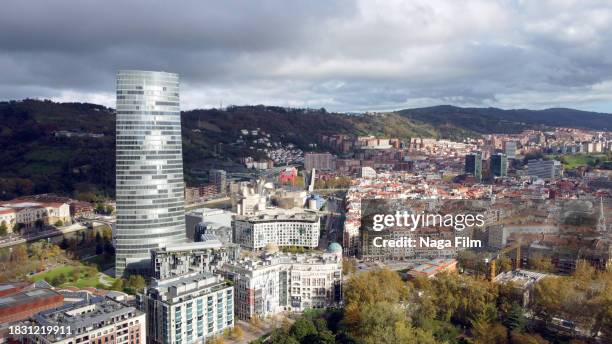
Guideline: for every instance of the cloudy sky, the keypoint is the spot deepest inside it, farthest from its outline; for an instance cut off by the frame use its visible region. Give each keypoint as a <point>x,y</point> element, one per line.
<point>343,55</point>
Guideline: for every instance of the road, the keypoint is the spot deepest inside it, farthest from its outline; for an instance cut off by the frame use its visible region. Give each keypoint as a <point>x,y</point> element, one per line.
<point>206,203</point>
<point>16,240</point>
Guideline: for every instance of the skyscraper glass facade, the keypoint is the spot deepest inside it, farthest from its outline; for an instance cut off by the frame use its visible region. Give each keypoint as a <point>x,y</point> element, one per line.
<point>149,181</point>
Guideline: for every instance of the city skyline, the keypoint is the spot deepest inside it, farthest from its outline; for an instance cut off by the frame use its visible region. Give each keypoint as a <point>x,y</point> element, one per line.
<point>343,55</point>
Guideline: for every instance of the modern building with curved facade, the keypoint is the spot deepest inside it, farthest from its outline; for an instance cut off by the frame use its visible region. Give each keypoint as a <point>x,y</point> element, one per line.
<point>149,182</point>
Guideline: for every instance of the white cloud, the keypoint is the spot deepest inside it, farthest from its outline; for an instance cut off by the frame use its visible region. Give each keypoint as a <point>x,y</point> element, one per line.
<point>343,55</point>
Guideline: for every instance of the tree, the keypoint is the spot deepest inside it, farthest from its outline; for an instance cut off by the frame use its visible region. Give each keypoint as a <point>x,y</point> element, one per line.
<point>487,333</point>
<point>348,266</point>
<point>237,333</point>
<point>322,337</point>
<point>215,340</point>
<point>525,338</point>
<point>382,322</point>
<point>59,223</point>
<point>515,319</point>
<point>301,328</point>
<point>3,228</point>
<point>75,274</point>
<point>135,283</point>
<point>58,280</point>
<point>540,263</point>
<point>504,264</point>
<point>19,253</point>
<point>117,284</point>
<point>380,285</point>
<point>279,337</point>
<point>99,208</point>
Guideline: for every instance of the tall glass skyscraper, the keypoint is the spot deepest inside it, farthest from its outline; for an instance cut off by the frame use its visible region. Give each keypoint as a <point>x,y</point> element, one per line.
<point>149,184</point>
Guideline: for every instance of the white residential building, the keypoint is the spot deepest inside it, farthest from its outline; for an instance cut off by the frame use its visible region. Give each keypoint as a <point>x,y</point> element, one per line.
<point>282,227</point>
<point>188,308</point>
<point>285,282</point>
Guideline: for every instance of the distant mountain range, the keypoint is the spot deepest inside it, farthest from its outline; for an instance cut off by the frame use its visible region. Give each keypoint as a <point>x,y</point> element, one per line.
<point>46,146</point>
<point>494,120</point>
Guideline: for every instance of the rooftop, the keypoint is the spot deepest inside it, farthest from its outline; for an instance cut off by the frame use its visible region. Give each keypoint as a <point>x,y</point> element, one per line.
<point>522,278</point>
<point>24,297</point>
<point>279,214</point>
<point>187,284</point>
<point>85,316</point>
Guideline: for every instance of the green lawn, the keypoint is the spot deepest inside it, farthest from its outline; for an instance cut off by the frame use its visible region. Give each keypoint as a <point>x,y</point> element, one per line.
<point>575,160</point>
<point>84,280</point>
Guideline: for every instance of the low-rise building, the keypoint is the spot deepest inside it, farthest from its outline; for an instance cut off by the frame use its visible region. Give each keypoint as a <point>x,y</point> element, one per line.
<point>523,281</point>
<point>95,320</point>
<point>28,213</point>
<point>433,267</point>
<point>188,308</point>
<point>20,302</point>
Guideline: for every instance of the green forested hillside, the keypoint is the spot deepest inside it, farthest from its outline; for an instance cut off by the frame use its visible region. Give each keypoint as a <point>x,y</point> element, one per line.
<point>36,160</point>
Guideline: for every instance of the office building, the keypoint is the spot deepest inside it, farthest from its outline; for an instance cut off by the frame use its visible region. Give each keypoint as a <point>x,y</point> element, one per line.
<point>499,165</point>
<point>281,227</point>
<point>473,165</point>
<point>319,161</point>
<point>285,282</point>
<point>209,221</point>
<point>545,169</point>
<point>367,172</point>
<point>149,186</point>
<point>180,259</point>
<point>510,149</point>
<point>94,320</point>
<point>219,179</point>
<point>188,309</point>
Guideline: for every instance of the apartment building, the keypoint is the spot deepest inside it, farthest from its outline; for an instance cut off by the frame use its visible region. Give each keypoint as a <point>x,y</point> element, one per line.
<point>188,309</point>
<point>94,320</point>
<point>282,227</point>
<point>279,282</point>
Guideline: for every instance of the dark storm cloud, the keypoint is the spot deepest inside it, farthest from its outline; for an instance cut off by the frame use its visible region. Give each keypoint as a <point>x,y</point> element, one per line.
<point>344,55</point>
